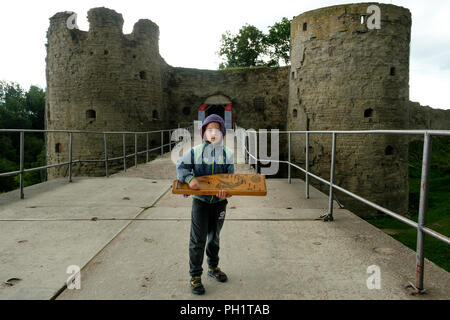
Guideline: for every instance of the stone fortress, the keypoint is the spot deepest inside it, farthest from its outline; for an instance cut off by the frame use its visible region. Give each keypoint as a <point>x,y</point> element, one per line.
<point>343,76</point>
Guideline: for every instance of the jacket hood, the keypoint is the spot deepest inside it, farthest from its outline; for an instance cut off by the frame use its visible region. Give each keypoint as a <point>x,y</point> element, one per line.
<point>213,118</point>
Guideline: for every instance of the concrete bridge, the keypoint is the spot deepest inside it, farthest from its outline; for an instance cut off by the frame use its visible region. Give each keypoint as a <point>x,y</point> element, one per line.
<point>129,235</point>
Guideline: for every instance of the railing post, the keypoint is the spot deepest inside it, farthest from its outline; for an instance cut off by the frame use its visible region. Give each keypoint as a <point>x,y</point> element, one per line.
<point>135,150</point>
<point>22,141</point>
<point>256,151</point>
<point>289,157</point>
<point>423,202</point>
<point>162,142</point>
<point>307,165</point>
<point>124,153</point>
<point>170,141</point>
<point>70,156</point>
<point>106,154</point>
<point>147,147</point>
<point>329,215</point>
<point>249,149</point>
<point>244,141</point>
<point>246,147</point>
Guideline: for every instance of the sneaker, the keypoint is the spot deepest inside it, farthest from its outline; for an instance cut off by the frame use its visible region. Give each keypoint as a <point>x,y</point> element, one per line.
<point>196,285</point>
<point>217,274</point>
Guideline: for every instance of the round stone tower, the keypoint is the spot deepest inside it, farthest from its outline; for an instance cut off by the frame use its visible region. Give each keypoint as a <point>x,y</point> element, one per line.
<point>350,71</point>
<point>100,80</point>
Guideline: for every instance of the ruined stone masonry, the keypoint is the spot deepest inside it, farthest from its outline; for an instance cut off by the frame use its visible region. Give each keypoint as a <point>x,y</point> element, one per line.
<point>343,76</point>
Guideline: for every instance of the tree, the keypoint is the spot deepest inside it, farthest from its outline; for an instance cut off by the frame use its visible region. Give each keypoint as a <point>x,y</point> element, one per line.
<point>8,183</point>
<point>278,40</point>
<point>13,113</point>
<point>35,105</point>
<point>243,49</point>
<point>251,47</point>
<point>21,109</point>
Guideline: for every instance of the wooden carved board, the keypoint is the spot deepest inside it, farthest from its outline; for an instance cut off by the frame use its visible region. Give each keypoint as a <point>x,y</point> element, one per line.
<point>234,184</point>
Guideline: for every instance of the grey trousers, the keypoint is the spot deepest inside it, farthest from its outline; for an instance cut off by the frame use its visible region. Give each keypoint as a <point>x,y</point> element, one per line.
<point>206,223</point>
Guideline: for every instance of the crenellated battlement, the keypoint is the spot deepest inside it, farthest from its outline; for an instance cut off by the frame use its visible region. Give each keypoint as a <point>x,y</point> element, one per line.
<point>104,23</point>
<point>104,19</point>
<point>145,28</point>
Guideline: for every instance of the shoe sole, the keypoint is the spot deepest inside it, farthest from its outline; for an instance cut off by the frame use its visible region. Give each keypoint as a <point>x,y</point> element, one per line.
<point>217,279</point>
<point>198,292</point>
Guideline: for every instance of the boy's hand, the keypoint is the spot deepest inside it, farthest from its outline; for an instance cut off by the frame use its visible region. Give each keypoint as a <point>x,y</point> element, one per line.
<point>194,184</point>
<point>222,194</point>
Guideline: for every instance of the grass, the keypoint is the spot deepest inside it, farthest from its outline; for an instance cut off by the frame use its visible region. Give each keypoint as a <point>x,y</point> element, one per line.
<point>244,68</point>
<point>438,212</point>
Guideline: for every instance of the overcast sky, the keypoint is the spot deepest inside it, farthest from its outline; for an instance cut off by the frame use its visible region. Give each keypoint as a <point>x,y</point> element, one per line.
<point>190,33</point>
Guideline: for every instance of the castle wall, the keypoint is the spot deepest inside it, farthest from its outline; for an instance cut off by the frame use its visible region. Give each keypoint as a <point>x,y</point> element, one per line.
<point>424,117</point>
<point>258,96</point>
<point>345,76</point>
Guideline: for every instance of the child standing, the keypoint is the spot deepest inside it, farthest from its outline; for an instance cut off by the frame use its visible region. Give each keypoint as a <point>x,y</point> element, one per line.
<point>208,212</point>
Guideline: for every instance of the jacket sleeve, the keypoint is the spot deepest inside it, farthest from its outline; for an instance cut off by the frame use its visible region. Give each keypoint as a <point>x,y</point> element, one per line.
<point>185,167</point>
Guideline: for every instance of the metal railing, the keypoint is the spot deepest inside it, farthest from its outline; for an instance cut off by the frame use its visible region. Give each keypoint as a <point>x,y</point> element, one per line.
<point>106,159</point>
<point>420,225</point>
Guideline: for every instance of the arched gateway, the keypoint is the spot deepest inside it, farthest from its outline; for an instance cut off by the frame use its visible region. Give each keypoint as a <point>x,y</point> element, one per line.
<point>217,104</point>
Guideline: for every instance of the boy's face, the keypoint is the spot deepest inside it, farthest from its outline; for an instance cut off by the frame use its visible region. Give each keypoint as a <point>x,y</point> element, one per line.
<point>213,133</point>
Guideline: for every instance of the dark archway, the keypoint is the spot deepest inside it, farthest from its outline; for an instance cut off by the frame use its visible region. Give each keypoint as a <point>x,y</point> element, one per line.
<point>218,109</point>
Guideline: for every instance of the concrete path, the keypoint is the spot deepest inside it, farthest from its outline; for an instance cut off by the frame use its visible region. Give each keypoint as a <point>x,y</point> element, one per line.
<point>39,252</point>
<point>271,247</point>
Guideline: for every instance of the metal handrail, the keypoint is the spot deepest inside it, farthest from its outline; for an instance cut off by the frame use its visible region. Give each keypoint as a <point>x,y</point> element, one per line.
<point>420,225</point>
<point>83,131</point>
<point>22,170</point>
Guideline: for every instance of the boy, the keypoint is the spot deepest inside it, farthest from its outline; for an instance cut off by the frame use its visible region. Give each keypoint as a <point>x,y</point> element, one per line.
<point>208,212</point>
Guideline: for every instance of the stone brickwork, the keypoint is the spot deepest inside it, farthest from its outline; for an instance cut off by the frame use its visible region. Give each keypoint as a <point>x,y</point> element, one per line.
<point>105,72</point>
<point>345,76</point>
<point>189,88</point>
<point>424,117</point>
